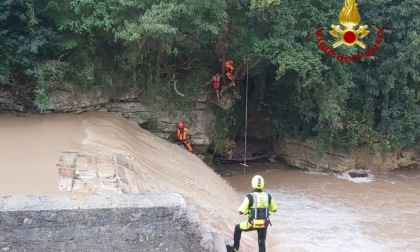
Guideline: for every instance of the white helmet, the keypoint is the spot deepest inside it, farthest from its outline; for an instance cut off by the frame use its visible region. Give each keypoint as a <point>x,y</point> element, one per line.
<point>257,182</point>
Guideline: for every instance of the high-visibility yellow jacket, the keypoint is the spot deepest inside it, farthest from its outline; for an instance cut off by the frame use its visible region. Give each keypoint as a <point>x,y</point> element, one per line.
<point>257,205</point>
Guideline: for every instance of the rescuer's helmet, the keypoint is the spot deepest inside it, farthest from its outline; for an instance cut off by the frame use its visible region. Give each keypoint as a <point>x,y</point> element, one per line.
<point>257,182</point>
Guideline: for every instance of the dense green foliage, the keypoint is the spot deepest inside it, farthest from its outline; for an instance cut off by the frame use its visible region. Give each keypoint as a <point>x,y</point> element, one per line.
<point>147,45</point>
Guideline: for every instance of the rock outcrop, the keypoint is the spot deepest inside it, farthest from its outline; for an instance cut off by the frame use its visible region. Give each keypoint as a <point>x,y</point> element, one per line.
<point>163,120</point>
<point>304,155</point>
<point>8,102</point>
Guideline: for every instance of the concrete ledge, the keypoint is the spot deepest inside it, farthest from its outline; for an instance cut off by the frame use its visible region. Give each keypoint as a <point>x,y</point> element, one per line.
<point>123,222</point>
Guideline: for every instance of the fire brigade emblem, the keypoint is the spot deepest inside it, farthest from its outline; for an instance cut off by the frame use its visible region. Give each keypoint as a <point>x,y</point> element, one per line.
<point>349,18</point>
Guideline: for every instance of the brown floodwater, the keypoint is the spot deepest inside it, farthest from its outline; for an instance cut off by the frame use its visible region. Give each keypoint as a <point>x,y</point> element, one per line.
<point>30,147</point>
<point>316,211</point>
<point>335,212</point>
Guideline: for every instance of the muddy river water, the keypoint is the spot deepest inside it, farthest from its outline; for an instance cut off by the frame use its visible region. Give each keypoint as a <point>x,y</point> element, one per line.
<point>316,211</point>
<point>324,212</point>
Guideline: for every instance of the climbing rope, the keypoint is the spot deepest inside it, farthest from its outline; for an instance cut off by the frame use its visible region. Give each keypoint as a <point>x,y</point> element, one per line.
<point>246,114</point>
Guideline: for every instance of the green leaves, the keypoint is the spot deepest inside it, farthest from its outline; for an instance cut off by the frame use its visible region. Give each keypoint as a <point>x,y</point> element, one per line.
<point>90,14</point>
<point>154,23</point>
<point>350,102</point>
<point>22,38</point>
<point>147,44</point>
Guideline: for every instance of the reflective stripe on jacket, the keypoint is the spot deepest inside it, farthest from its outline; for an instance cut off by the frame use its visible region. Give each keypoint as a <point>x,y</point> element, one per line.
<point>258,200</point>
<point>259,208</point>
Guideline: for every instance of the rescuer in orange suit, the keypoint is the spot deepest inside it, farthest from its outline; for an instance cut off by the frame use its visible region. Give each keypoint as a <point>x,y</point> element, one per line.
<point>230,75</point>
<point>229,72</point>
<point>182,134</point>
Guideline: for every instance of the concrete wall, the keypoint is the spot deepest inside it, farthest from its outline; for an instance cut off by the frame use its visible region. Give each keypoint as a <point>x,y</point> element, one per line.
<point>123,222</point>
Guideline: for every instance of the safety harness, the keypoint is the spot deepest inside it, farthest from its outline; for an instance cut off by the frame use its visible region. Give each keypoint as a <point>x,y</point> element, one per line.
<point>182,134</point>
<point>259,210</point>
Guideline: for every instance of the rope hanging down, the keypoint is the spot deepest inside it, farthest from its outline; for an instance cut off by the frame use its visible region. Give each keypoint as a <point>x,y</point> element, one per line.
<point>246,114</point>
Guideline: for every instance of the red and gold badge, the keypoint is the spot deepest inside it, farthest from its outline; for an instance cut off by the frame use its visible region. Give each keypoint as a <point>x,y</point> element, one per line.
<point>349,18</point>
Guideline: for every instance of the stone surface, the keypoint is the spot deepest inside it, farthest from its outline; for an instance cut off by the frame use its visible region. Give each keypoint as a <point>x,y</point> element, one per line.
<point>98,174</point>
<point>126,222</point>
<point>7,102</point>
<point>165,120</point>
<point>304,155</point>
<point>197,120</point>
<point>66,101</point>
<point>84,174</point>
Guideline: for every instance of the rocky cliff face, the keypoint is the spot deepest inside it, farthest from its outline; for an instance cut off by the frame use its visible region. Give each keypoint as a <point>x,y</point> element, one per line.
<point>304,155</point>
<point>164,121</point>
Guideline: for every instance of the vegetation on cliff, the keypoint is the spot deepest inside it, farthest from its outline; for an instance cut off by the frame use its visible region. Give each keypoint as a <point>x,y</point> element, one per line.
<point>295,88</point>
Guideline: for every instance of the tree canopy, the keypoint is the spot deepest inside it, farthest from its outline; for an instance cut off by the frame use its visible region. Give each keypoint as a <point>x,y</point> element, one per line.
<point>146,44</point>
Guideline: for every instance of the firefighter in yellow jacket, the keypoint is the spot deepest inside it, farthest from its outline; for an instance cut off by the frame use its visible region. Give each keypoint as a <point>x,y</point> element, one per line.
<point>256,206</point>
